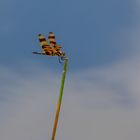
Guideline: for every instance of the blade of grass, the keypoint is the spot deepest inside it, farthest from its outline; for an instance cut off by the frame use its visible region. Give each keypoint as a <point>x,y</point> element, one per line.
<point>60,99</point>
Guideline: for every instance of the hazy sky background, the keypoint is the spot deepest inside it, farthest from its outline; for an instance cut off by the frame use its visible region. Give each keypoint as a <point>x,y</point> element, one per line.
<point>102,92</point>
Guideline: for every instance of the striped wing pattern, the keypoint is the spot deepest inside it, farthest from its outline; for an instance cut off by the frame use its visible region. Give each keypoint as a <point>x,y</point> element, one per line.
<point>51,38</point>
<point>45,46</point>
<point>50,48</point>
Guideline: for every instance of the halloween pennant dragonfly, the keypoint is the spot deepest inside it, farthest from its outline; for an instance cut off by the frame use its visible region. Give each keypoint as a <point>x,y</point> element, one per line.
<point>50,47</point>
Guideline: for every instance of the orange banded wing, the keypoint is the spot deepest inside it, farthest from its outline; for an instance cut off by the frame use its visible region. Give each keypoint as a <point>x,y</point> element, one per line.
<point>51,38</point>
<point>58,50</point>
<point>57,47</point>
<point>43,41</point>
<point>49,51</point>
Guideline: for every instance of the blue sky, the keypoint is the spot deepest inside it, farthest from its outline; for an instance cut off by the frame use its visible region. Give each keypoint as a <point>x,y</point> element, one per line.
<point>101,96</point>
<point>88,30</point>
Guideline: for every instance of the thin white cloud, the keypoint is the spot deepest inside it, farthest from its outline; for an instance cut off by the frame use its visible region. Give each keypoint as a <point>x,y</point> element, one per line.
<point>101,103</point>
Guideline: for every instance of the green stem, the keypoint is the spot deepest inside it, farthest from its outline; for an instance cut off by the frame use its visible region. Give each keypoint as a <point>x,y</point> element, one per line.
<point>60,99</point>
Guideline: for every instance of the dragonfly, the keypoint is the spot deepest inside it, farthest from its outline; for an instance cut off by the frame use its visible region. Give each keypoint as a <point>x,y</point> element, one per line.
<point>50,47</point>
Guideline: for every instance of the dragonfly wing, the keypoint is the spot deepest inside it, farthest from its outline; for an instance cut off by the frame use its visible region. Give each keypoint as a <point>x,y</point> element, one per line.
<point>51,38</point>
<point>43,42</point>
<point>47,49</point>
<point>56,48</point>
